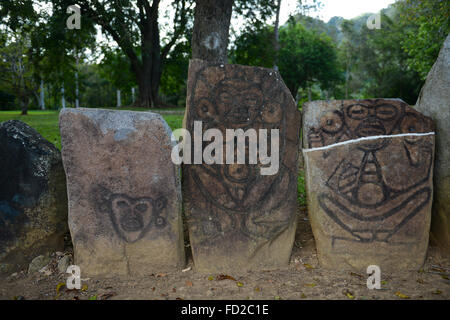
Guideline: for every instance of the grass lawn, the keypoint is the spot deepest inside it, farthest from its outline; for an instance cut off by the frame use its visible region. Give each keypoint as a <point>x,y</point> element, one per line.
<point>46,123</point>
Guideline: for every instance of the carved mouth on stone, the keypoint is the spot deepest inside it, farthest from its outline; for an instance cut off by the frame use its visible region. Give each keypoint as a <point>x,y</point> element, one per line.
<point>369,128</point>
<point>131,223</point>
<point>239,115</point>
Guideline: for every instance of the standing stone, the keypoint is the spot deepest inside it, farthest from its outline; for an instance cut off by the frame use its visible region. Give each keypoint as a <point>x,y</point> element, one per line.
<point>434,101</point>
<point>33,200</point>
<point>124,192</point>
<point>238,218</point>
<point>369,170</point>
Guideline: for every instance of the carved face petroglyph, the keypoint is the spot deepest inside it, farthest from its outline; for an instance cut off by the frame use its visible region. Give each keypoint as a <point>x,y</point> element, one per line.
<point>132,218</point>
<point>381,184</point>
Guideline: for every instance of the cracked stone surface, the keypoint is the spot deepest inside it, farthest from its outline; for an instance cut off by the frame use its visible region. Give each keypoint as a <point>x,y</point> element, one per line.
<point>124,192</point>
<point>369,170</point>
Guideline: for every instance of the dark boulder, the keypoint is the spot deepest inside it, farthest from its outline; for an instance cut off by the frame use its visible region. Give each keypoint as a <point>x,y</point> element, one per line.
<point>33,197</point>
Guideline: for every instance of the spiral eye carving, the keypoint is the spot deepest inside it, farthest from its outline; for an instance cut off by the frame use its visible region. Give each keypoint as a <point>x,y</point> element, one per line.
<point>332,122</point>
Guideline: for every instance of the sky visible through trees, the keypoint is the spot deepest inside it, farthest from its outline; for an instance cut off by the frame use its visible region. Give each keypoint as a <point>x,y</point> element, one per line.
<point>142,48</point>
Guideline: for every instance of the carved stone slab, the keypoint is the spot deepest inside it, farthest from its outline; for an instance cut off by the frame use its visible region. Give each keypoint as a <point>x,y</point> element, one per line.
<point>369,168</point>
<point>124,192</point>
<point>238,218</point>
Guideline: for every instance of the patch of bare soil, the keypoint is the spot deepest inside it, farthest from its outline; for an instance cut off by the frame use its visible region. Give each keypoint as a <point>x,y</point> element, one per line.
<point>302,279</point>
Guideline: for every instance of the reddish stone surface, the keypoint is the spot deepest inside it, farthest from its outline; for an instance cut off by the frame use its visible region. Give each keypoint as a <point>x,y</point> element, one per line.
<point>124,192</point>
<point>239,219</point>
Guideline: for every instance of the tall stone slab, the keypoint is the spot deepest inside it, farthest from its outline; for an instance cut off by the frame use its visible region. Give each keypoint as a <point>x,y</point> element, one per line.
<point>434,101</point>
<point>238,218</point>
<point>33,200</point>
<point>369,170</point>
<point>124,192</point>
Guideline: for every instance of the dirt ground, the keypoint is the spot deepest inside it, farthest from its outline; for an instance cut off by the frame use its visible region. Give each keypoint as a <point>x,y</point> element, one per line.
<point>303,279</point>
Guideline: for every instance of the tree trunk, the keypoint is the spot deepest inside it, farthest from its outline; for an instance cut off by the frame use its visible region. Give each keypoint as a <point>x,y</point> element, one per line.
<point>211,30</point>
<point>24,104</point>
<point>276,35</point>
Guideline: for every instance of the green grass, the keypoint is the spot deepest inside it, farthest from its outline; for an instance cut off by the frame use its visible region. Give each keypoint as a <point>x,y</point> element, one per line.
<point>46,122</point>
<point>301,189</point>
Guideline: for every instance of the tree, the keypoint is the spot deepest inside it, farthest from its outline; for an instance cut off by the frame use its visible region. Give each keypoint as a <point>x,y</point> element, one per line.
<point>52,49</point>
<point>16,70</point>
<point>134,26</point>
<point>307,57</point>
<point>376,64</point>
<point>212,24</point>
<point>425,24</point>
<point>252,48</point>
<point>211,30</point>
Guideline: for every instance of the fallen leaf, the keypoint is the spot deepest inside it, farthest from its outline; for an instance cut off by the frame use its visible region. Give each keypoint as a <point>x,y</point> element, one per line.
<point>348,293</point>
<point>224,277</point>
<point>59,286</point>
<point>84,287</point>
<point>210,278</point>
<point>383,282</point>
<point>174,290</point>
<point>239,284</point>
<point>94,297</point>
<point>189,283</point>
<point>153,289</point>
<point>187,269</point>
<point>445,277</point>
<point>160,275</point>
<point>106,296</point>
<point>178,298</point>
<point>257,289</point>
<point>277,298</point>
<point>308,266</point>
<point>356,275</point>
<point>303,296</point>
<point>58,289</point>
<point>311,285</point>
<point>401,295</point>
<point>437,292</point>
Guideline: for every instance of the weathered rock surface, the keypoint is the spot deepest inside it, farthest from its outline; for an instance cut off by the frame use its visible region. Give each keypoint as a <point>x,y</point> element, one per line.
<point>369,169</point>
<point>434,101</point>
<point>238,218</point>
<point>63,264</point>
<point>38,263</point>
<point>33,200</point>
<point>124,192</point>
